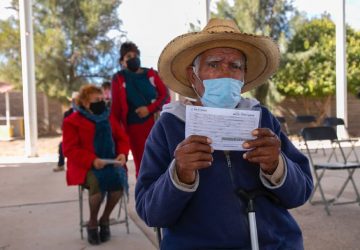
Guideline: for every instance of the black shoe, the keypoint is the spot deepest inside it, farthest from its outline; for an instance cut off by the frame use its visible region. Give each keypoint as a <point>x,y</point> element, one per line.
<point>93,236</point>
<point>105,232</point>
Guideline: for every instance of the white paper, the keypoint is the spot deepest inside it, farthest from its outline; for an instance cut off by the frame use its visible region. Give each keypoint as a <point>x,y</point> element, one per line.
<point>112,161</point>
<point>228,128</point>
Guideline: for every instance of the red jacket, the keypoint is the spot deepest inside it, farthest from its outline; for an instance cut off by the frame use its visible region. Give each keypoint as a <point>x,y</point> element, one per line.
<point>78,145</point>
<point>119,106</point>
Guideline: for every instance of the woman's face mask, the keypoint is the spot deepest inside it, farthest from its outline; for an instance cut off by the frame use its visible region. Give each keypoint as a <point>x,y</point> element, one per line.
<point>97,107</point>
<point>133,64</point>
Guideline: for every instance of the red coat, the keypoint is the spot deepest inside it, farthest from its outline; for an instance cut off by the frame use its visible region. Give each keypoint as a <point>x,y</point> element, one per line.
<point>78,145</point>
<point>119,106</point>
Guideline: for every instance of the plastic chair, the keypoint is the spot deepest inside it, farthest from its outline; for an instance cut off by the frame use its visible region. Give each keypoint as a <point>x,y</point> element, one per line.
<point>329,134</point>
<point>334,122</point>
<point>113,221</point>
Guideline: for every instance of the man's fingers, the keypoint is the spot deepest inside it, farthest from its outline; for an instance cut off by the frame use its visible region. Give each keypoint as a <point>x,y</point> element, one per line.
<point>261,151</point>
<point>262,142</point>
<point>196,147</point>
<point>195,165</point>
<point>262,132</point>
<point>195,139</point>
<point>198,156</point>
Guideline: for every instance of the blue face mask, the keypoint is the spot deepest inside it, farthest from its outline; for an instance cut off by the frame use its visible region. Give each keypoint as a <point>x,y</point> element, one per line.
<point>222,93</point>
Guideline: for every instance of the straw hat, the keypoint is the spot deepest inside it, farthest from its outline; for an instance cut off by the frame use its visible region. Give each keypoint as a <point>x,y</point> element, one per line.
<point>262,54</point>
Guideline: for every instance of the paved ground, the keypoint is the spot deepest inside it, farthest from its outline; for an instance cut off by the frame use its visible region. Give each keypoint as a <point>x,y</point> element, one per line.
<point>38,211</point>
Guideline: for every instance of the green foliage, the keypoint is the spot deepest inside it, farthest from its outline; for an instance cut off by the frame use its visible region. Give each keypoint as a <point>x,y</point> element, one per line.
<point>308,69</point>
<point>71,44</point>
<point>263,17</point>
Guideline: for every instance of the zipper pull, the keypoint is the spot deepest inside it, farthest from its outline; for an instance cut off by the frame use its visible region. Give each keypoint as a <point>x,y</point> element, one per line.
<point>227,155</point>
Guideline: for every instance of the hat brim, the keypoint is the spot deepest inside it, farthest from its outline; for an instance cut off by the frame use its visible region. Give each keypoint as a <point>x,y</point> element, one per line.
<point>262,58</point>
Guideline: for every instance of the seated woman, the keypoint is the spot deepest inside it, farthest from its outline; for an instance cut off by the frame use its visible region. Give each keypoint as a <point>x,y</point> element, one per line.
<point>90,136</point>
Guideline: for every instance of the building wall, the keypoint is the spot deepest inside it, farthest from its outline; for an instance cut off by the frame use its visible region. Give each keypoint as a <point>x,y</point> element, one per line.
<point>16,110</point>
<point>291,107</point>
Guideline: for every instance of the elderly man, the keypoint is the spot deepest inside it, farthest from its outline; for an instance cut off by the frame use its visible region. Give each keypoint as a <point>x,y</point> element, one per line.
<point>188,188</point>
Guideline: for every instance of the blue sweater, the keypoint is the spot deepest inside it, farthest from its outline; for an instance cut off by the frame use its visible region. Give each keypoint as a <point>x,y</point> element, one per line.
<point>213,217</point>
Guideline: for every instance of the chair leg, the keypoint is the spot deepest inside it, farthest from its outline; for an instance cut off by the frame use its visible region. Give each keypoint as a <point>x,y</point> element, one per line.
<point>351,173</point>
<point>126,215</point>
<point>81,211</point>
<point>122,206</point>
<point>353,150</point>
<point>323,201</point>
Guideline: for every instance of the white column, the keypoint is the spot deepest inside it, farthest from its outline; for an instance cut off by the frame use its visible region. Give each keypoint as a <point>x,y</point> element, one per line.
<point>207,10</point>
<point>28,77</point>
<point>341,83</point>
<point>7,107</point>
<point>46,119</point>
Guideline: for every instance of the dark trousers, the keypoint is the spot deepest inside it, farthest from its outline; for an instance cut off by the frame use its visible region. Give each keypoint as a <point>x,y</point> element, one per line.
<point>61,160</point>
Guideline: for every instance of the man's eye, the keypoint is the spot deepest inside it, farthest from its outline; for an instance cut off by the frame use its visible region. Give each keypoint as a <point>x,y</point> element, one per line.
<point>213,65</point>
<point>236,66</point>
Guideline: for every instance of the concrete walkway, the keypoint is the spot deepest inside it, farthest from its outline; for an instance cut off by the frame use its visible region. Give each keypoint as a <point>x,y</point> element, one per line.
<point>38,211</point>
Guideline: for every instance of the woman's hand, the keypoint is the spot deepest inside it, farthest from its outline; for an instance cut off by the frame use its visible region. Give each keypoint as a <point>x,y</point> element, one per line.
<point>192,154</point>
<point>121,158</point>
<point>98,163</point>
<point>265,150</point>
<point>142,111</point>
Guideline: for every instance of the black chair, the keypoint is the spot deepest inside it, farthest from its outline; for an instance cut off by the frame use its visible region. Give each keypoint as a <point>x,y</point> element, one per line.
<point>335,122</point>
<point>329,134</point>
<point>283,124</point>
<point>307,121</point>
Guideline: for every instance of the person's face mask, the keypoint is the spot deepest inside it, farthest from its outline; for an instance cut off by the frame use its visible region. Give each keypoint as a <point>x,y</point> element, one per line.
<point>97,107</point>
<point>133,64</point>
<point>222,93</point>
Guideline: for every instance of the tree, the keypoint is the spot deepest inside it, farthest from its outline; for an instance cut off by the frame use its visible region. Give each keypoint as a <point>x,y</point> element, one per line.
<point>262,17</point>
<point>308,69</point>
<point>72,44</point>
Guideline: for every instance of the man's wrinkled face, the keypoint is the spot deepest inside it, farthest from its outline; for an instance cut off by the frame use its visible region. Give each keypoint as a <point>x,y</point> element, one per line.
<point>219,63</point>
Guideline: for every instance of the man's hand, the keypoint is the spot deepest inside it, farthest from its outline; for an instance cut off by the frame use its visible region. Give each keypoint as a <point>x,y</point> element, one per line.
<point>142,111</point>
<point>265,151</point>
<point>98,163</point>
<point>121,158</point>
<point>192,154</point>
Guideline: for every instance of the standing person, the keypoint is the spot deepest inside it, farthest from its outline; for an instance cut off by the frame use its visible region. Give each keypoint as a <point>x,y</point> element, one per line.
<point>188,188</point>
<point>61,159</point>
<point>106,87</point>
<point>90,136</point>
<point>138,94</point>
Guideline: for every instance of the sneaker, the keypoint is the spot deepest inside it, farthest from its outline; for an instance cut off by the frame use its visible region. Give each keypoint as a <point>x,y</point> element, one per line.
<point>59,169</point>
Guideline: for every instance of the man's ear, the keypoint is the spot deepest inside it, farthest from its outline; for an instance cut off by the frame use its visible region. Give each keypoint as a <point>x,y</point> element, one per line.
<point>190,75</point>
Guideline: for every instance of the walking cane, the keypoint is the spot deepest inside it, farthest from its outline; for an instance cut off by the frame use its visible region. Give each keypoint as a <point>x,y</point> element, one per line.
<point>250,197</point>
